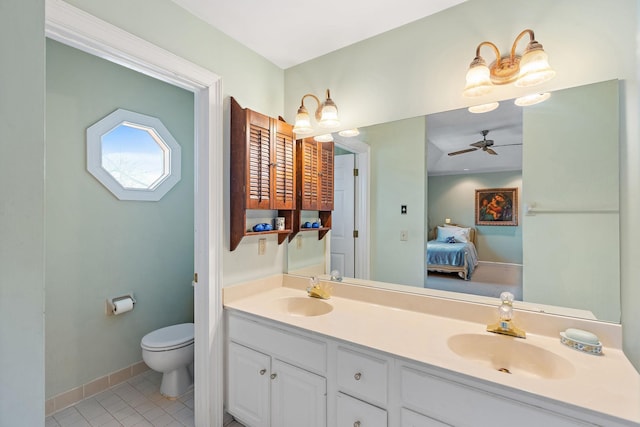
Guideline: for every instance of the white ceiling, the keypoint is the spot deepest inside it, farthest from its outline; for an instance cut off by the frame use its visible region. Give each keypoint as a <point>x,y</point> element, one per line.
<point>456,130</point>
<point>289,32</point>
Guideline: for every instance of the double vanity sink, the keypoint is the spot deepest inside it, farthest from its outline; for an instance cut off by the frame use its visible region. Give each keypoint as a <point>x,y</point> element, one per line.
<point>450,336</point>
<point>500,353</point>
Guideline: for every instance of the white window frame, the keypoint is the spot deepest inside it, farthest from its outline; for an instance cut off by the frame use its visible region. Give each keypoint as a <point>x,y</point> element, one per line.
<point>171,151</point>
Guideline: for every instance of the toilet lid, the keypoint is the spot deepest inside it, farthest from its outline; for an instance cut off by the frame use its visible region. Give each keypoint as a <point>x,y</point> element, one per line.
<point>167,338</point>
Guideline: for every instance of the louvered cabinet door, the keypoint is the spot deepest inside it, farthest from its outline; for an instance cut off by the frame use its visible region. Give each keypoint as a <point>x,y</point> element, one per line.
<point>258,180</point>
<point>284,162</point>
<point>309,174</point>
<point>325,202</point>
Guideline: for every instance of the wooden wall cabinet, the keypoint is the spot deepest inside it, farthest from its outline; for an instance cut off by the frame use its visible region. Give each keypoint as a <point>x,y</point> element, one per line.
<point>315,183</point>
<point>263,162</point>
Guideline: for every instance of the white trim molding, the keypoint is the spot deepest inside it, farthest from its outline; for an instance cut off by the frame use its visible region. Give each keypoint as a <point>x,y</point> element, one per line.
<point>76,28</point>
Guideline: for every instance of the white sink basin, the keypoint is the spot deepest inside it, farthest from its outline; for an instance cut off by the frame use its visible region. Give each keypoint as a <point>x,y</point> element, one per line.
<point>302,306</point>
<point>511,355</point>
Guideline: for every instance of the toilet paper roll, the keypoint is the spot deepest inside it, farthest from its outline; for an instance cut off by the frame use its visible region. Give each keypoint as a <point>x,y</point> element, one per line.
<point>122,306</point>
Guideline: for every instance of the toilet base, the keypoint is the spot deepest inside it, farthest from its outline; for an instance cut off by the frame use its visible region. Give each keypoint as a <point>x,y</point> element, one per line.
<point>176,383</point>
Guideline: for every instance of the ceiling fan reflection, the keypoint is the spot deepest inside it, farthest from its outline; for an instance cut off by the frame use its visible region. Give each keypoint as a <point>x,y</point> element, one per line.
<point>484,145</point>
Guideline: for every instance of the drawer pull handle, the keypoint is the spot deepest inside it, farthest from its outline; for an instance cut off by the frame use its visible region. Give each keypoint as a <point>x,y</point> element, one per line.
<point>273,376</point>
<point>356,424</point>
<point>263,371</point>
<point>357,376</point>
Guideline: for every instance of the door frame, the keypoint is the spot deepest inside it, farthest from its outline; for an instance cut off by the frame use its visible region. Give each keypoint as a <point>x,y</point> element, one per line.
<point>76,28</point>
<point>362,251</point>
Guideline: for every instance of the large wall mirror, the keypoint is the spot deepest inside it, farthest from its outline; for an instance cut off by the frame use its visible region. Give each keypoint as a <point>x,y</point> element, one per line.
<point>563,157</point>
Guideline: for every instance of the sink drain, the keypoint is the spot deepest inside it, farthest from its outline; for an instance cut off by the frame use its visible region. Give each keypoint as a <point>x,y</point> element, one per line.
<point>505,370</point>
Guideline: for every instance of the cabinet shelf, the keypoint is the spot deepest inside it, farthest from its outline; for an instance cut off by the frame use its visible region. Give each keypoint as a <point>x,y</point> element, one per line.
<point>314,229</point>
<point>325,218</point>
<point>282,234</point>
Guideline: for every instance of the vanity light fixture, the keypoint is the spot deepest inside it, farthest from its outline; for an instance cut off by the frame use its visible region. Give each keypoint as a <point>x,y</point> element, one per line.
<point>530,69</point>
<point>348,133</point>
<point>326,115</point>
<point>536,98</point>
<point>483,108</point>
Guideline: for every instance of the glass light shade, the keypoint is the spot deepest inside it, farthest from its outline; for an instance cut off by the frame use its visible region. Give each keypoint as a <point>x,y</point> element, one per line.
<point>532,99</point>
<point>534,68</point>
<point>348,133</point>
<point>329,116</point>
<point>302,125</point>
<point>478,80</point>
<point>327,137</point>
<point>484,108</point>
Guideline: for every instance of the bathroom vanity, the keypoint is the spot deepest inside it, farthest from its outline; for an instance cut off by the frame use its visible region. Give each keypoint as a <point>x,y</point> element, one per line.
<point>373,357</point>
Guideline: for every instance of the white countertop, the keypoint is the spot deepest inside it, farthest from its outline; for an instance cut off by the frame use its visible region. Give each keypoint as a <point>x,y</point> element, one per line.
<point>607,384</point>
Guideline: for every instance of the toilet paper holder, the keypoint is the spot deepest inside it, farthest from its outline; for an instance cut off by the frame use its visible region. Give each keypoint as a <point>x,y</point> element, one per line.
<point>111,302</point>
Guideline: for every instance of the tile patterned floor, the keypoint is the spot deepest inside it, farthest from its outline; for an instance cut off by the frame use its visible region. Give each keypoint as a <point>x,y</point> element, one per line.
<point>136,402</point>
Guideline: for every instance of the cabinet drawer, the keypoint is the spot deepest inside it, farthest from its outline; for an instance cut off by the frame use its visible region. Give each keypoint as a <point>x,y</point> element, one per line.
<point>413,419</point>
<point>356,413</point>
<point>362,376</point>
<point>296,349</point>
<point>461,405</point>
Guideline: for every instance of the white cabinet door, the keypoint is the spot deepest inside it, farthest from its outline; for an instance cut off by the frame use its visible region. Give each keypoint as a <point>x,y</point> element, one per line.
<point>298,397</point>
<point>248,387</point>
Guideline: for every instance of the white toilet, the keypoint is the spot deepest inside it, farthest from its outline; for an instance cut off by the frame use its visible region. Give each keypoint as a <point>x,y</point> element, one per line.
<point>170,351</point>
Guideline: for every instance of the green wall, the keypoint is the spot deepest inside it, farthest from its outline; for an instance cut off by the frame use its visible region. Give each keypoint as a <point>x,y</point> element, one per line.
<point>397,164</point>
<point>453,196</point>
<point>22,213</point>
<point>98,246</point>
<point>587,138</point>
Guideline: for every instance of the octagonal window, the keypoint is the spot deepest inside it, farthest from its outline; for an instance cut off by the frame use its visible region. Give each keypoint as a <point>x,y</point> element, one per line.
<point>133,155</point>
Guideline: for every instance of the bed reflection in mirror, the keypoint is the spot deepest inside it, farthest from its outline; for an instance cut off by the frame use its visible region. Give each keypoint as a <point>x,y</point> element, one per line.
<point>561,257</point>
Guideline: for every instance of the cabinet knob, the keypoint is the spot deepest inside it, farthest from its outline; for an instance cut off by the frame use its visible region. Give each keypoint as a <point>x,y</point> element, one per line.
<point>356,424</point>
<point>273,376</point>
<point>263,371</point>
<point>357,376</point>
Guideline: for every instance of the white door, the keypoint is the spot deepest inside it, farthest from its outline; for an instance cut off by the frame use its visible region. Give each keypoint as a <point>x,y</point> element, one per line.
<point>343,217</point>
<point>248,385</point>
<point>298,397</point>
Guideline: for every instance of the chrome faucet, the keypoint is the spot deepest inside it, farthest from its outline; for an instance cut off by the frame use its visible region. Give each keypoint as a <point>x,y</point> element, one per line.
<point>505,326</point>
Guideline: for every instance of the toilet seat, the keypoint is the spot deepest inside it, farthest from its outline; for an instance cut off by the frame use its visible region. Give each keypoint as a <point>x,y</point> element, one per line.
<point>169,338</point>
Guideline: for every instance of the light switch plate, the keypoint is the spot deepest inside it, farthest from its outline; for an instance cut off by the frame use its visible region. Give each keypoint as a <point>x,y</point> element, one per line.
<point>262,246</point>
